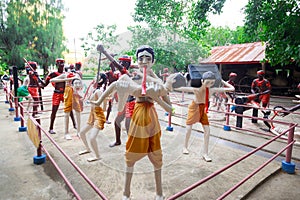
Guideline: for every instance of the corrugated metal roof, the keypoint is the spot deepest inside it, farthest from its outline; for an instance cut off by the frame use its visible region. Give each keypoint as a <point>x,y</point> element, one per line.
<point>247,53</point>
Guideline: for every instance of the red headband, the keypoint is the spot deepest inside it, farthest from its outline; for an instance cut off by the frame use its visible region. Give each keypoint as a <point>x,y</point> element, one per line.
<point>232,74</point>
<point>70,75</point>
<point>125,59</point>
<point>60,60</point>
<point>260,72</point>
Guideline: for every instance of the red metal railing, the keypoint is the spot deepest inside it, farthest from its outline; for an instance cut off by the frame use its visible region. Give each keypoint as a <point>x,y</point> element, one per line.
<point>288,148</point>
<point>84,176</point>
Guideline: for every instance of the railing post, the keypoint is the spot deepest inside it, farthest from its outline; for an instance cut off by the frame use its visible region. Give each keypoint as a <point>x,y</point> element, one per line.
<point>6,92</point>
<point>22,128</point>
<point>17,118</point>
<point>254,114</point>
<point>16,85</point>
<point>239,109</point>
<point>227,115</point>
<point>39,158</point>
<point>11,108</point>
<point>169,127</point>
<point>286,164</point>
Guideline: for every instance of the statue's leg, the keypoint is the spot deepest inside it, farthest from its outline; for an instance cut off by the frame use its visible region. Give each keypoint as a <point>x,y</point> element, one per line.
<point>205,143</point>
<point>187,138</point>
<point>128,177</point>
<point>52,118</point>
<point>158,184</point>
<point>78,121</point>
<point>67,135</point>
<point>82,134</point>
<point>94,144</point>
<point>73,119</point>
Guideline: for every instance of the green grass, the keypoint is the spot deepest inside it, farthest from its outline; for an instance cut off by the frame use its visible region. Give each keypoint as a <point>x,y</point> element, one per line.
<point>87,77</point>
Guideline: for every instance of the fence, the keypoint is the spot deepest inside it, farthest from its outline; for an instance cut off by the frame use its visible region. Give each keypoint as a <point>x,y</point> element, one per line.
<point>287,165</point>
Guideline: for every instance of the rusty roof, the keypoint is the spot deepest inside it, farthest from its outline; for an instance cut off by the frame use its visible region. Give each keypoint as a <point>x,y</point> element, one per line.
<point>248,53</point>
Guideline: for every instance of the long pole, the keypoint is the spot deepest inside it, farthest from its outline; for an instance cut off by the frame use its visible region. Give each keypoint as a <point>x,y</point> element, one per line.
<point>75,51</point>
<point>98,72</point>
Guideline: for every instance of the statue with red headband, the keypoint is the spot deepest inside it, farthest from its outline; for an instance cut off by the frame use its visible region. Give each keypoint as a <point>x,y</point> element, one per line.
<point>78,69</point>
<point>220,96</point>
<point>263,87</point>
<point>165,74</point>
<point>231,81</point>
<point>34,85</point>
<point>58,93</point>
<point>73,85</point>
<point>31,85</point>
<point>123,66</point>
<point>112,76</point>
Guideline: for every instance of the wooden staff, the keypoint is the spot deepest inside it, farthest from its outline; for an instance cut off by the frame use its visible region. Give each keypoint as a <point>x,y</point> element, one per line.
<point>28,64</point>
<point>98,72</point>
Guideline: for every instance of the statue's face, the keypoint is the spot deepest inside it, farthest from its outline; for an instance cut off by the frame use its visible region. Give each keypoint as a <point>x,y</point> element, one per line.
<point>208,82</point>
<point>125,64</point>
<point>77,84</point>
<point>60,66</point>
<point>232,78</point>
<point>260,77</point>
<point>145,60</point>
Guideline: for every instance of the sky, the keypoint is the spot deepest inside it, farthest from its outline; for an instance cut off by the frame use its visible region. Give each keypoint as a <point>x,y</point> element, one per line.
<point>83,16</point>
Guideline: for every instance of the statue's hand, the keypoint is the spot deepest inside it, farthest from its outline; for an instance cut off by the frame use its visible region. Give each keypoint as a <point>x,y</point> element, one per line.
<point>174,81</point>
<point>154,93</point>
<point>100,48</point>
<point>158,88</point>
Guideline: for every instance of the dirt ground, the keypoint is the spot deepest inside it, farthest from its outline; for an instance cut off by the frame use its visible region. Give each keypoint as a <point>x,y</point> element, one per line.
<point>21,179</point>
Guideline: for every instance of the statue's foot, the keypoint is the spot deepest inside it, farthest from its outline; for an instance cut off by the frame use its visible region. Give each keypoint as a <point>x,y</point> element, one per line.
<point>115,144</point>
<point>159,197</point>
<point>125,198</point>
<point>206,158</point>
<point>84,152</point>
<point>68,137</point>
<point>296,101</point>
<point>93,159</point>
<point>185,151</point>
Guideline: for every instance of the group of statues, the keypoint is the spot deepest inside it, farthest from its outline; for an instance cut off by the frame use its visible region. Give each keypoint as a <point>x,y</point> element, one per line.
<point>136,93</point>
<point>144,131</point>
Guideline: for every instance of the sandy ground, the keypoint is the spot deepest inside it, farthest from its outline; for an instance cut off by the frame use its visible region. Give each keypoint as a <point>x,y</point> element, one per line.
<point>21,179</point>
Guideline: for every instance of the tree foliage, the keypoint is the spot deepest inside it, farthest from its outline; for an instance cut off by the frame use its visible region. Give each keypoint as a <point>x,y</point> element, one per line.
<point>100,34</point>
<point>171,50</point>
<point>31,29</point>
<point>222,36</point>
<point>175,29</point>
<point>277,23</point>
<point>185,17</point>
